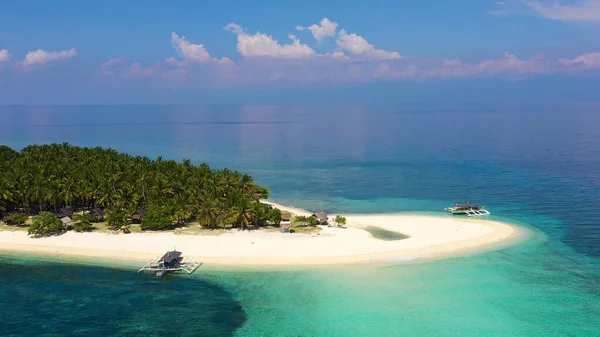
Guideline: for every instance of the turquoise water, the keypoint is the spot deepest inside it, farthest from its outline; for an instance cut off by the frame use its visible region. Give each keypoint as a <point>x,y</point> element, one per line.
<point>535,165</point>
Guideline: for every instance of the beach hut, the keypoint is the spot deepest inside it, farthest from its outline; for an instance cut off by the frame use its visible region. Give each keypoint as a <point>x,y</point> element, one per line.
<point>138,216</point>
<point>64,212</point>
<point>321,217</point>
<point>285,226</point>
<point>67,222</point>
<point>98,214</point>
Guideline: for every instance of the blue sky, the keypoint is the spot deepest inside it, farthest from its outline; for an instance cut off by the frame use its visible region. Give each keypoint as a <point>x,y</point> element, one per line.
<point>105,52</point>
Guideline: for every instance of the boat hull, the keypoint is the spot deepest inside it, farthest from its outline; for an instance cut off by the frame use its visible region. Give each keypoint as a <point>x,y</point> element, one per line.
<point>468,212</point>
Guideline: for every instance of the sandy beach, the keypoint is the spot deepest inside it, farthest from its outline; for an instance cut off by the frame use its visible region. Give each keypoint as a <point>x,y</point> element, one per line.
<point>430,237</point>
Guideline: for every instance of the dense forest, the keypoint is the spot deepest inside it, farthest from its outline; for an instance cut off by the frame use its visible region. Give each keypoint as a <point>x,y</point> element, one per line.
<point>45,178</point>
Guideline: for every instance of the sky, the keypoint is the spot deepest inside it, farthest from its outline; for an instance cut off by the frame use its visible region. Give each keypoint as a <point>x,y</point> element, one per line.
<point>298,51</point>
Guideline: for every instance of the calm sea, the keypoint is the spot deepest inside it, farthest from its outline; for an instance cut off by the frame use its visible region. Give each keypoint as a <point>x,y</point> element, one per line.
<point>534,165</point>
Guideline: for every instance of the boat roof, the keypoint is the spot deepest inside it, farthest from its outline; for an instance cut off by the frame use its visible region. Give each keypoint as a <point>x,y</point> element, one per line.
<point>170,256</point>
<point>468,205</point>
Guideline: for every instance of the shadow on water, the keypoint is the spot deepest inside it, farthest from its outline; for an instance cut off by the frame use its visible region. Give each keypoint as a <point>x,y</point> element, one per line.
<point>384,234</point>
<point>48,299</point>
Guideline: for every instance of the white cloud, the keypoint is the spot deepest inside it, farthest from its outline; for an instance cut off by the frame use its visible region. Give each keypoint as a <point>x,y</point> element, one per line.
<point>136,70</point>
<point>41,56</point>
<point>360,47</point>
<point>112,63</point>
<point>582,10</point>
<point>322,30</point>
<point>5,56</point>
<point>188,50</point>
<point>339,56</point>
<point>588,60</point>
<point>509,64</point>
<point>264,45</point>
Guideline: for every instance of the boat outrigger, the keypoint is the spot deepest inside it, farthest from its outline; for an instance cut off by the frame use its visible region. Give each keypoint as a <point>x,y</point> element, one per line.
<point>171,262</point>
<point>468,209</point>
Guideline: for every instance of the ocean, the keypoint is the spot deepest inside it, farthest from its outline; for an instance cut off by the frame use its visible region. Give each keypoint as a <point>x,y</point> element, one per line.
<point>533,165</point>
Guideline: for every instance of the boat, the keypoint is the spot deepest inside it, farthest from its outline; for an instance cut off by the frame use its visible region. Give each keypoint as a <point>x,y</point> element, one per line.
<point>171,262</point>
<point>468,209</point>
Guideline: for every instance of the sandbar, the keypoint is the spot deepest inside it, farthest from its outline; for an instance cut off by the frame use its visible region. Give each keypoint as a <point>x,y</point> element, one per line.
<point>429,237</point>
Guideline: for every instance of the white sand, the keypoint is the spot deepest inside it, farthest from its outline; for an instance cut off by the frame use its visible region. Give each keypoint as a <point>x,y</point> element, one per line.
<point>430,237</point>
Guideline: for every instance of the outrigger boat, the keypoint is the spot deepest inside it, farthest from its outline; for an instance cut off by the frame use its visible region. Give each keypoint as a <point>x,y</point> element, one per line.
<point>171,262</point>
<point>468,210</point>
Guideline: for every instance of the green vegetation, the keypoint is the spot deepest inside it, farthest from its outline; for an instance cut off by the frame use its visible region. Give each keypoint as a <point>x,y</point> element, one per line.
<point>303,221</point>
<point>340,220</point>
<point>45,178</point>
<point>82,223</point>
<point>45,224</point>
<point>17,219</point>
<point>157,219</point>
<point>308,229</point>
<point>305,224</point>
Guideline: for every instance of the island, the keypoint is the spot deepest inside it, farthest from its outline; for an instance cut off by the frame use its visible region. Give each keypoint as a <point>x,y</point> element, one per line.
<point>71,201</point>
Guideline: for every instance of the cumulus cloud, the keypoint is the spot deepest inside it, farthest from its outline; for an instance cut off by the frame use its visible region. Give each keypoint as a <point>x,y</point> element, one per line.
<point>323,29</point>
<point>360,47</point>
<point>188,50</point>
<point>265,61</point>
<point>137,70</point>
<point>5,56</point>
<point>112,62</point>
<point>263,45</point>
<point>509,64</point>
<point>587,60</point>
<point>582,10</point>
<point>41,56</point>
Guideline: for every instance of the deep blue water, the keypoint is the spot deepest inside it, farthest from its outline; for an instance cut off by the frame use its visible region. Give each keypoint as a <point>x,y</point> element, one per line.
<point>538,165</point>
<point>40,298</point>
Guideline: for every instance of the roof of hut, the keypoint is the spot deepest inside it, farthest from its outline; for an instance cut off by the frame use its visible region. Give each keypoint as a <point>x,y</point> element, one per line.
<point>141,213</point>
<point>66,220</point>
<point>97,212</point>
<point>321,215</point>
<point>66,211</point>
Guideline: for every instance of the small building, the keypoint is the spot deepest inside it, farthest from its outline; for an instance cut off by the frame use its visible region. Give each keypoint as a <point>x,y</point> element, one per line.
<point>285,226</point>
<point>98,214</point>
<point>138,216</point>
<point>67,222</point>
<point>321,217</point>
<point>64,212</point>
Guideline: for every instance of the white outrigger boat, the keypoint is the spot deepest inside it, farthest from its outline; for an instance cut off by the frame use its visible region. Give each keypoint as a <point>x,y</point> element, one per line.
<point>171,262</point>
<point>468,209</point>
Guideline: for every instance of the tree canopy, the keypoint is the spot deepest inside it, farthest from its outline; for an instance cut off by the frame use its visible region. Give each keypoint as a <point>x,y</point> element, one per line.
<point>340,220</point>
<point>42,178</point>
<point>45,224</point>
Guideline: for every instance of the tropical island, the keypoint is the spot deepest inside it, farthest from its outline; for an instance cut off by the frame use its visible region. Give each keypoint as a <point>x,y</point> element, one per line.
<point>56,190</point>
<point>95,184</point>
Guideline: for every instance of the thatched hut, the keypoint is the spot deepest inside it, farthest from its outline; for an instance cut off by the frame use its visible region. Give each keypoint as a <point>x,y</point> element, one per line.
<point>98,214</point>
<point>64,212</point>
<point>138,216</point>
<point>67,222</point>
<point>321,217</point>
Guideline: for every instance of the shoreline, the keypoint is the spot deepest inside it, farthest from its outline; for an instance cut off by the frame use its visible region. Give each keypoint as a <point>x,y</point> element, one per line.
<point>430,238</point>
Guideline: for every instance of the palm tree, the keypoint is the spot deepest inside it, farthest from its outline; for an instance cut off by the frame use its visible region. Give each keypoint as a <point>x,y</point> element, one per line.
<point>58,175</point>
<point>241,213</point>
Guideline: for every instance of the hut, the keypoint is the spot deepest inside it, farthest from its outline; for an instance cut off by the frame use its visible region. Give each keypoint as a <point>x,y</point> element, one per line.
<point>321,217</point>
<point>285,226</point>
<point>67,222</point>
<point>98,214</point>
<point>138,216</point>
<point>64,212</point>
